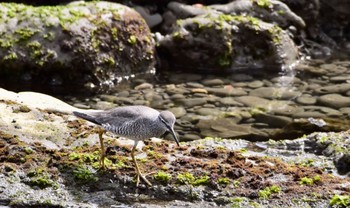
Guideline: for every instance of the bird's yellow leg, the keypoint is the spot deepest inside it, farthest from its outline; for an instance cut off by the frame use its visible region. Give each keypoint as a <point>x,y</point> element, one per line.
<point>138,172</point>
<point>102,154</point>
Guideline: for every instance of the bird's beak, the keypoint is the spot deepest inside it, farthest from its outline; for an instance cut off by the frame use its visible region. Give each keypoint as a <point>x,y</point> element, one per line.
<point>171,130</point>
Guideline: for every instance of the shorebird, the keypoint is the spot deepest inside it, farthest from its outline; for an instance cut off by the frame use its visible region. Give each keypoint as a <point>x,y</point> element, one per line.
<point>133,122</point>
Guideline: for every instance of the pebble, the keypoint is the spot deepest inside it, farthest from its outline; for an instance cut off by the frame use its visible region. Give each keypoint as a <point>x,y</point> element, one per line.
<point>178,111</point>
<point>274,93</point>
<point>306,100</point>
<point>191,102</point>
<point>144,86</point>
<point>334,101</point>
<point>212,82</point>
<point>339,88</point>
<point>224,92</point>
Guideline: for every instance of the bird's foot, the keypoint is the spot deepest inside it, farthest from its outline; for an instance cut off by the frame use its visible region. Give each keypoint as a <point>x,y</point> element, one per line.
<point>138,176</point>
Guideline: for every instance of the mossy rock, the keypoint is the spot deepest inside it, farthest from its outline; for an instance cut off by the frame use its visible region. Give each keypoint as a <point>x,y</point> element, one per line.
<point>81,42</point>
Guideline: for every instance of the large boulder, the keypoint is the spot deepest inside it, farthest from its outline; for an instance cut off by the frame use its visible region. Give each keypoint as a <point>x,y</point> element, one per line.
<point>82,42</point>
<point>241,34</point>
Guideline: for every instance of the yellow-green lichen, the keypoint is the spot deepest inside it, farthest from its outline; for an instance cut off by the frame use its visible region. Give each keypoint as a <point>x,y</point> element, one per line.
<point>263,3</point>
<point>310,181</point>
<point>224,181</point>
<point>10,56</point>
<point>132,40</point>
<point>268,191</point>
<point>162,177</point>
<point>84,175</point>
<point>340,201</point>
<point>188,178</point>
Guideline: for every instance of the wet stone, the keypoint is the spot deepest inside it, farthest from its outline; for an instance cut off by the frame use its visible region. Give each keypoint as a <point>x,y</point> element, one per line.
<point>212,82</point>
<point>144,86</point>
<point>252,101</point>
<point>104,105</point>
<point>339,88</point>
<point>340,78</point>
<point>177,96</point>
<point>191,102</point>
<point>194,85</point>
<point>229,91</point>
<point>124,100</point>
<point>256,84</point>
<point>108,98</point>
<point>306,100</point>
<point>208,112</point>
<point>274,93</point>
<point>334,101</point>
<point>178,111</point>
<point>273,120</point>
<point>122,94</point>
<point>229,101</point>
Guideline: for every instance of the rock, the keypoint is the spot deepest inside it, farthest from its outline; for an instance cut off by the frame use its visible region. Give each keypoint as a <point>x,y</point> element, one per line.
<point>226,91</point>
<point>191,102</point>
<point>208,112</point>
<point>334,101</point>
<point>274,93</point>
<point>256,84</point>
<point>229,101</point>
<point>306,100</point>
<point>273,120</point>
<point>339,88</point>
<point>252,101</point>
<point>81,42</point>
<point>225,41</point>
<point>212,82</point>
<point>144,86</point>
<point>226,128</point>
<point>178,111</point>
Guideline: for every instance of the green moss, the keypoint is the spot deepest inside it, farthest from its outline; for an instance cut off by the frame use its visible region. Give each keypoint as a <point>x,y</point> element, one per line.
<point>310,181</point>
<point>162,177</point>
<point>188,178</point>
<point>6,44</point>
<point>84,175</point>
<point>49,36</point>
<point>276,33</point>
<point>224,181</point>
<point>25,33</point>
<point>263,3</point>
<point>40,178</point>
<point>268,191</point>
<point>153,154</point>
<point>10,57</point>
<point>185,178</point>
<point>132,40</point>
<point>114,32</point>
<point>109,61</point>
<point>340,200</point>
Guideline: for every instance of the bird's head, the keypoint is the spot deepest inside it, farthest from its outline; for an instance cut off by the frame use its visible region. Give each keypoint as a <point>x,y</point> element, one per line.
<point>168,119</point>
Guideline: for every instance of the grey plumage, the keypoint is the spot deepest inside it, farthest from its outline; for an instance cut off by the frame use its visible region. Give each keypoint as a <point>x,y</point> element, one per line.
<point>134,122</point>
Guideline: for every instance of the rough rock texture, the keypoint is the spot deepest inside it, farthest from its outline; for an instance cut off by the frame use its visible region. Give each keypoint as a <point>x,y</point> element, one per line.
<point>50,159</point>
<point>223,37</point>
<point>97,42</point>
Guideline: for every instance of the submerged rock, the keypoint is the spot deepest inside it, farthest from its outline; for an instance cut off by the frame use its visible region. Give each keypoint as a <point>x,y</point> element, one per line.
<point>81,42</point>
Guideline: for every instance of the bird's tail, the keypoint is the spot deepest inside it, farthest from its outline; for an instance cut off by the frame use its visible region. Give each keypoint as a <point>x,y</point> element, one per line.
<point>86,117</point>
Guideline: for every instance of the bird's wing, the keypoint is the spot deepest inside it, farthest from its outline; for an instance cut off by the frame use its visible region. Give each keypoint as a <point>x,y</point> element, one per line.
<point>122,115</point>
